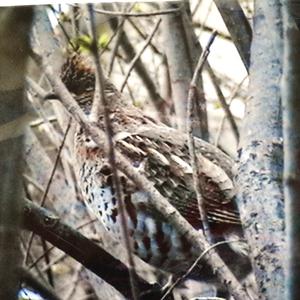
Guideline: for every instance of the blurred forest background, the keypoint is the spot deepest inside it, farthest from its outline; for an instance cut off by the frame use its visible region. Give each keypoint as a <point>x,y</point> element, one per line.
<point>150,51</point>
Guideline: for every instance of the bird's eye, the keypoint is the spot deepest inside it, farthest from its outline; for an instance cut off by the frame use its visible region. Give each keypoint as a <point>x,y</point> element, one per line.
<point>136,164</point>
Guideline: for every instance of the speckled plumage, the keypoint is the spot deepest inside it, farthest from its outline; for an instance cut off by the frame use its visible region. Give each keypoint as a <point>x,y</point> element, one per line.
<point>165,162</point>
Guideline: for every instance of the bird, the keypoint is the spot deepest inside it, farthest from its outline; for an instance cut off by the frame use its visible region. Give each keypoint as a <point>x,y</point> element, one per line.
<point>161,154</point>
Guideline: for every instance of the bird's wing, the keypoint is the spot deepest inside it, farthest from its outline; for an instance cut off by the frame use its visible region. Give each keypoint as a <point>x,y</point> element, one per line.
<point>167,165</point>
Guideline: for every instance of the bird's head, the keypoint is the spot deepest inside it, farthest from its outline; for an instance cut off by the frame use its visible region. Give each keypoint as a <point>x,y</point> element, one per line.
<point>78,75</point>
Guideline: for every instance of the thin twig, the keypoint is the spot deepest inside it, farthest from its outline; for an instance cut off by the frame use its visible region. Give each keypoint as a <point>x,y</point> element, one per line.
<point>34,263</point>
<point>127,14</point>
<point>191,142</point>
<point>45,224</point>
<point>156,200</point>
<point>112,158</point>
<point>110,39</point>
<point>117,42</point>
<point>44,290</point>
<point>201,111</point>
<point>115,47</point>
<point>138,55</point>
<point>195,263</point>
<point>75,15</point>
<point>144,36</point>
<point>38,270</point>
<point>49,183</point>
<point>156,99</point>
<point>47,261</point>
<point>196,7</point>
<point>55,163</point>
<point>63,29</point>
<point>210,29</point>
<point>232,96</point>
<point>205,19</point>
<point>54,261</point>
<point>127,84</point>
<point>223,102</point>
<point>36,91</point>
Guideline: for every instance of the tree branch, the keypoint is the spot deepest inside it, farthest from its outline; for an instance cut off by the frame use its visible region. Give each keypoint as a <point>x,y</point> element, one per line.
<point>127,14</point>
<point>160,203</point>
<point>40,287</point>
<point>192,98</point>
<point>139,54</point>
<point>154,95</point>
<point>52,229</point>
<point>111,151</point>
<point>238,27</point>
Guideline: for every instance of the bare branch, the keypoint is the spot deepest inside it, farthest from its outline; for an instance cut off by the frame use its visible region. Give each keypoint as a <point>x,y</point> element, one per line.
<point>127,14</point>
<point>45,194</point>
<point>238,27</point>
<point>157,100</point>
<point>118,33</point>
<point>31,281</point>
<point>158,202</point>
<point>231,98</point>
<point>192,267</point>
<point>144,36</point>
<point>191,143</point>
<point>138,55</point>
<point>223,102</point>
<point>179,49</point>
<point>90,255</point>
<point>112,156</point>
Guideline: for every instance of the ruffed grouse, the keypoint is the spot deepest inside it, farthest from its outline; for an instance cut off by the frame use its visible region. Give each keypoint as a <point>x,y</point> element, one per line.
<point>161,154</point>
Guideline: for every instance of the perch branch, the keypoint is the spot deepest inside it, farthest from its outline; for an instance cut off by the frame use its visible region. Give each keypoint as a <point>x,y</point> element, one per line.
<point>111,154</point>
<point>51,228</point>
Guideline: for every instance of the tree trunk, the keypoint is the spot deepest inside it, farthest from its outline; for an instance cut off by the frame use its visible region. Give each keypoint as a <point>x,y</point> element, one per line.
<point>14,46</point>
<point>259,180</point>
<point>182,54</point>
<point>291,133</point>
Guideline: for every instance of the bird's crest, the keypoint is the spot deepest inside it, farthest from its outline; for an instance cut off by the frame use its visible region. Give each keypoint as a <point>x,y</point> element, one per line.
<point>78,74</point>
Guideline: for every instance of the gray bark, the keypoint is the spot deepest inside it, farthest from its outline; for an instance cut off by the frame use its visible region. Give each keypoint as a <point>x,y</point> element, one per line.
<point>42,30</point>
<point>260,195</point>
<point>89,254</point>
<point>182,51</point>
<point>14,48</point>
<point>291,133</point>
<point>179,62</point>
<point>238,27</point>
